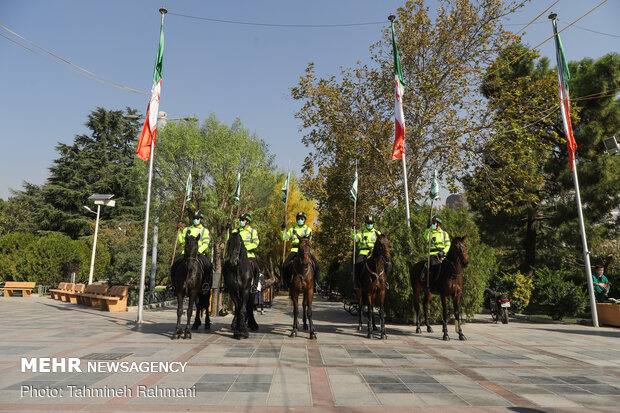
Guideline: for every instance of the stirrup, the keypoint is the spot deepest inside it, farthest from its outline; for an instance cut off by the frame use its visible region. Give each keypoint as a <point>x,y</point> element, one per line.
<point>205,288</point>
<point>253,289</point>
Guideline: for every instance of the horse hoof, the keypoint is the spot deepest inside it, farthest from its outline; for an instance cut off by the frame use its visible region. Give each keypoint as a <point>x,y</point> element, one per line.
<point>462,337</point>
<point>187,335</point>
<point>418,330</point>
<point>175,337</point>
<point>312,336</point>
<point>429,329</point>
<point>446,338</point>
<point>383,336</point>
<point>208,326</point>
<point>369,335</point>
<point>293,334</point>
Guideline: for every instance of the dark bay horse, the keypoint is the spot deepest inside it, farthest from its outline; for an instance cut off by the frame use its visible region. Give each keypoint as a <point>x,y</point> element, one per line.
<point>204,296</point>
<point>302,282</point>
<point>449,284</point>
<point>187,279</point>
<point>238,278</point>
<point>372,278</point>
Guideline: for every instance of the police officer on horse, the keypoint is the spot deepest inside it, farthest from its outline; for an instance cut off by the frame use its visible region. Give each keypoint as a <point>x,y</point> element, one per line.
<point>294,234</point>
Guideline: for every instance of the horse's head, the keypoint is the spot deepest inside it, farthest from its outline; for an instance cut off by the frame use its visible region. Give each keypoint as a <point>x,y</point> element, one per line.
<point>458,248</point>
<point>303,249</point>
<point>381,247</point>
<point>234,247</point>
<point>191,246</point>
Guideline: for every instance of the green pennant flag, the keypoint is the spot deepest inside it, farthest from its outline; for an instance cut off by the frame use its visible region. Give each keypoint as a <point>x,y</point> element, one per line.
<point>285,188</point>
<point>237,193</point>
<point>434,193</point>
<point>353,192</point>
<point>188,187</point>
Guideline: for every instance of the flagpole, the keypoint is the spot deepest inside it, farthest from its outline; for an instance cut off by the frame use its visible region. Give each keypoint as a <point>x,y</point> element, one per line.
<point>573,166</point>
<point>176,240</point>
<point>163,11</point>
<point>406,189</point>
<point>354,228</point>
<point>288,190</point>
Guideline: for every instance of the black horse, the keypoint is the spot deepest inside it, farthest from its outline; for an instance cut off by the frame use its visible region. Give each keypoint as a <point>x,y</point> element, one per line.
<point>187,279</point>
<point>238,277</point>
<point>302,282</point>
<point>449,284</point>
<point>372,278</point>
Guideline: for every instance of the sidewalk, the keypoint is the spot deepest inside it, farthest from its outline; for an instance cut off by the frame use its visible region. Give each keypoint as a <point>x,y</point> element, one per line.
<point>551,367</point>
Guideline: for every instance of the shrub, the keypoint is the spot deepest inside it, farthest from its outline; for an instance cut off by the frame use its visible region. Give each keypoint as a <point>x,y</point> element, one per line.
<point>556,294</point>
<point>518,287</point>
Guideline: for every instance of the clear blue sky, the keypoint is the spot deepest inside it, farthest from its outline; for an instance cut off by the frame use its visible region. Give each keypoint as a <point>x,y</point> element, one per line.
<point>229,70</point>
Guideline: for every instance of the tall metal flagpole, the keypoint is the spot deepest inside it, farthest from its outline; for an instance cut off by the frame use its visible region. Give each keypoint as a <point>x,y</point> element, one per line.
<point>354,223</point>
<point>145,240</point>
<point>573,166</point>
<point>288,191</point>
<point>406,190</point>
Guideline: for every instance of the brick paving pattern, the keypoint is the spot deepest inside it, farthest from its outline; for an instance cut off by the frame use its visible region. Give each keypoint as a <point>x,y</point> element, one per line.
<point>520,366</point>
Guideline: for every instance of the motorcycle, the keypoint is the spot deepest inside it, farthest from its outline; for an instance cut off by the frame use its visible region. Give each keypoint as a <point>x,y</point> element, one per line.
<point>499,305</point>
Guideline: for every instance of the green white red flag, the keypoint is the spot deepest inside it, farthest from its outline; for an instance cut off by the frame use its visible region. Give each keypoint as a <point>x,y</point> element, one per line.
<point>149,130</point>
<point>563,78</point>
<point>398,149</point>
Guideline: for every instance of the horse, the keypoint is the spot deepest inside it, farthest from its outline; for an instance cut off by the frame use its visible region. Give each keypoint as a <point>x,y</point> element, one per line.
<point>449,284</point>
<point>187,280</point>
<point>372,279</point>
<point>204,296</point>
<point>302,282</point>
<point>238,278</point>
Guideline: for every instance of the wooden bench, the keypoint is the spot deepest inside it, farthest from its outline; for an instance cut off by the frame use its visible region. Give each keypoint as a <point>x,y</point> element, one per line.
<point>608,314</point>
<point>116,300</point>
<point>71,295</point>
<point>25,287</point>
<point>55,292</point>
<point>92,295</point>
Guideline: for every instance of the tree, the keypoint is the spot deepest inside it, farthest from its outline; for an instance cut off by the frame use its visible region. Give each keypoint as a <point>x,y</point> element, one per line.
<point>102,162</point>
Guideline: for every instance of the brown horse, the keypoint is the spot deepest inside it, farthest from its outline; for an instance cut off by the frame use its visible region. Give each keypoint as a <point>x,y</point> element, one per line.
<point>302,282</point>
<point>372,278</point>
<point>449,284</point>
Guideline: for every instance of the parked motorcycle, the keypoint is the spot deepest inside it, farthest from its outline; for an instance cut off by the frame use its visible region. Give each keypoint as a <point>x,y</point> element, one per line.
<point>499,305</point>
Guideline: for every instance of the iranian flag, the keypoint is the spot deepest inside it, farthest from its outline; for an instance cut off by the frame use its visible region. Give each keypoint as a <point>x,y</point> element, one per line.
<point>398,149</point>
<point>563,78</point>
<point>146,144</point>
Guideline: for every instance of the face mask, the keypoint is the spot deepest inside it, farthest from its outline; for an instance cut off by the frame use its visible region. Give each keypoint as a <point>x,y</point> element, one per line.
<point>196,221</point>
<point>300,222</point>
<point>242,224</point>
<point>434,226</point>
<point>369,226</point>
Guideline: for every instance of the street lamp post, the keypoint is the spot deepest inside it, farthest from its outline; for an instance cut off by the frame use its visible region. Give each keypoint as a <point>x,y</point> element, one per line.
<point>100,199</point>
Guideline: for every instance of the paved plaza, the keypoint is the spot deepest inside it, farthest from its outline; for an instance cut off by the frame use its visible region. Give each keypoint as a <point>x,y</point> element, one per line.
<point>522,366</point>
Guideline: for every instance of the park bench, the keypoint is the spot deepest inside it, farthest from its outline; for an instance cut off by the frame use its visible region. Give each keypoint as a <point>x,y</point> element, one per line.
<point>608,314</point>
<point>25,287</point>
<point>92,295</point>
<point>71,294</point>
<point>116,300</point>
<point>56,293</point>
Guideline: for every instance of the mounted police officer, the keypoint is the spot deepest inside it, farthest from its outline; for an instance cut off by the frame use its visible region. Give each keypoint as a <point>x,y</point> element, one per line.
<point>250,239</point>
<point>439,243</point>
<point>293,235</point>
<point>365,241</point>
<point>204,238</point>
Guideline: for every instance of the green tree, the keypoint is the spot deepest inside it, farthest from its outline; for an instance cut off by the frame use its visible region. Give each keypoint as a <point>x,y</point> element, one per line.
<point>102,162</point>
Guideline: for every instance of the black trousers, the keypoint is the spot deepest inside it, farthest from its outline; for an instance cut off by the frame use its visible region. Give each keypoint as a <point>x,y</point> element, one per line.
<point>255,268</point>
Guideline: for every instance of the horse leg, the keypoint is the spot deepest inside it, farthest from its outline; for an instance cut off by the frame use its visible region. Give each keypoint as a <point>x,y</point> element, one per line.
<point>207,316</point>
<point>304,307</point>
<point>370,315</point>
<point>294,297</point>
<point>444,306</point>
<point>457,318</point>
<point>382,314</point>
<point>190,308</point>
<point>359,309</point>
<point>197,321</point>
<point>309,301</point>
<point>416,307</point>
<point>243,315</point>
<point>427,302</point>
<point>178,330</point>
<point>252,324</point>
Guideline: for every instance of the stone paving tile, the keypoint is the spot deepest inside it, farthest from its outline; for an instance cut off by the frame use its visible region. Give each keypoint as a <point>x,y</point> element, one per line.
<point>356,399</point>
<point>432,399</point>
<point>428,388</point>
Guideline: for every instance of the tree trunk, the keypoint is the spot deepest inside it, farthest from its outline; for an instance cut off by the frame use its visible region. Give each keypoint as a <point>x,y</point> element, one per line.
<point>530,244</point>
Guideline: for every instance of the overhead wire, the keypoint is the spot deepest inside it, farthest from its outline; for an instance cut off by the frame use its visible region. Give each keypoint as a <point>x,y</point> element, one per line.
<point>78,69</point>
<point>275,24</point>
